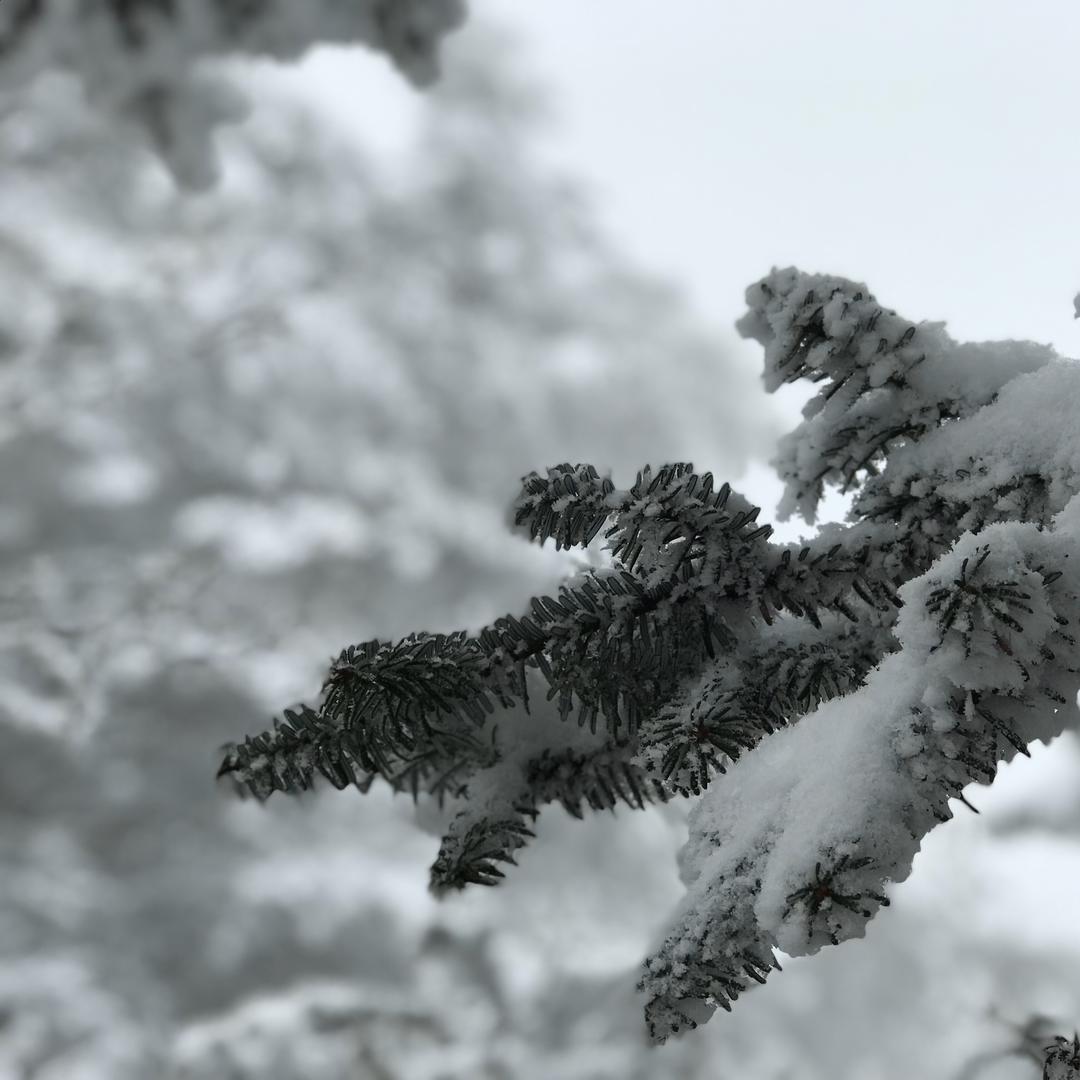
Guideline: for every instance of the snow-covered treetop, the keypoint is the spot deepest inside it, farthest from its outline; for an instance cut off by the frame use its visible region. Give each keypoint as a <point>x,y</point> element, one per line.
<point>849,687</point>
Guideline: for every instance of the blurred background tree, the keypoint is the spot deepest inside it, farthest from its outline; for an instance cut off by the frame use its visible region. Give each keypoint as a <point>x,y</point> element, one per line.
<point>242,428</point>
<point>236,430</point>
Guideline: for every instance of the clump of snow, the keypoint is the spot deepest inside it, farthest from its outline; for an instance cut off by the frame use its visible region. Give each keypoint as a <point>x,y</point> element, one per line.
<point>885,378</point>
<point>1031,429</point>
<point>980,617</point>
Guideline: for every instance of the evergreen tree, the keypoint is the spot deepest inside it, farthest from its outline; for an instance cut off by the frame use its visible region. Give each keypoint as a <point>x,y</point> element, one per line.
<point>849,688</point>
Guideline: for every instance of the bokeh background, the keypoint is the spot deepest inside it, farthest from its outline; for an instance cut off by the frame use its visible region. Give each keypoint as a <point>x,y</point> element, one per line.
<point>241,429</point>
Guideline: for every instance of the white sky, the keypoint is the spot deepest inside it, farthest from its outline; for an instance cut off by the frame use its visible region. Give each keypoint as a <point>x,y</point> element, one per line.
<point>929,148</point>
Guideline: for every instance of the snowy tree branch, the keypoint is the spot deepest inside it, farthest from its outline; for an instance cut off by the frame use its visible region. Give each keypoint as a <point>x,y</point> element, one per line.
<point>847,688</point>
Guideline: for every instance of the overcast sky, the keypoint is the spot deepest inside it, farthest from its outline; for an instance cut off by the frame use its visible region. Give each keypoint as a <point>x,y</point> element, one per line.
<point>928,148</point>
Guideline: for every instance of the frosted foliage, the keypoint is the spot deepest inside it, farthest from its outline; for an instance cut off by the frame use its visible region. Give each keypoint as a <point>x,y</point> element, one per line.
<point>142,58</point>
<point>846,780</point>
<point>967,463</point>
<point>885,382</point>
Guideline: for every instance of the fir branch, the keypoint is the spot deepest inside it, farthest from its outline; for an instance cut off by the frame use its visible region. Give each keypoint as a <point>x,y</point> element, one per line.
<point>601,780</point>
<point>881,375</point>
<point>836,571</point>
<point>571,504</point>
<point>673,519</point>
<point>286,757</point>
<point>828,904</point>
<point>480,838</point>
<point>850,686</point>
<point>710,723</point>
<point>793,671</point>
<point>928,727</point>
<point>501,800</point>
<point>710,958</point>
<point>610,645</point>
<point>391,691</point>
<point>413,712</point>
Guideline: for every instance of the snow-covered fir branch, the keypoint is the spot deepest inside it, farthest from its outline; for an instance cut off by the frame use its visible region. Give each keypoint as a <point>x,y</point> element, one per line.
<point>823,701</point>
